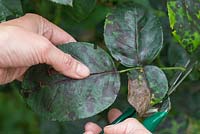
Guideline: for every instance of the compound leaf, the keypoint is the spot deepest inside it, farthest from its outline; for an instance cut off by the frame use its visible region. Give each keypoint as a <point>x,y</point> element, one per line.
<point>56,97</point>
<point>133,35</point>
<point>184,19</point>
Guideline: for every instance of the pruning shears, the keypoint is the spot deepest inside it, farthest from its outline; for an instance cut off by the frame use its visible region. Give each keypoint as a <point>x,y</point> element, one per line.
<point>153,120</point>
<point>159,111</point>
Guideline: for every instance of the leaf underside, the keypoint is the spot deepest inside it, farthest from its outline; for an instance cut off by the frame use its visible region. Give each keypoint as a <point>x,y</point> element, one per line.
<point>133,35</point>
<point>56,97</point>
<point>146,87</point>
<point>184,16</point>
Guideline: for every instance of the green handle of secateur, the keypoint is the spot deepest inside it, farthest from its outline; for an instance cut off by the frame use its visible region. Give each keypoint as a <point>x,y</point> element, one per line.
<point>151,123</point>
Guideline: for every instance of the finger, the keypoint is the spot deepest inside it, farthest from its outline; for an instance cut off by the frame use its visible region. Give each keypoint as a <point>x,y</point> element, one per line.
<point>129,126</point>
<point>39,50</point>
<point>8,75</point>
<point>92,127</point>
<point>42,26</point>
<point>52,32</point>
<point>88,132</point>
<point>20,78</point>
<point>66,64</point>
<point>113,114</point>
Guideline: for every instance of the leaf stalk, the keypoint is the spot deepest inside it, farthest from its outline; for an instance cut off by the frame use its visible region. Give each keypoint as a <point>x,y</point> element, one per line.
<point>162,68</point>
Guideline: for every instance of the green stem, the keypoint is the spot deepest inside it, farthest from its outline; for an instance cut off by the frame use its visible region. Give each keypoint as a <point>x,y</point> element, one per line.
<point>173,68</point>
<point>162,68</point>
<point>130,69</point>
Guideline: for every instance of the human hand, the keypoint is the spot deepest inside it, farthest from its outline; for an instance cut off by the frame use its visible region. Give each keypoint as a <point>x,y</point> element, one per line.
<point>129,126</point>
<point>31,40</point>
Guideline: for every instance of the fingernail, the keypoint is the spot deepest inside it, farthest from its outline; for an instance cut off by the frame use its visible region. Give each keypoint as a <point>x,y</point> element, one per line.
<point>70,40</point>
<point>82,70</point>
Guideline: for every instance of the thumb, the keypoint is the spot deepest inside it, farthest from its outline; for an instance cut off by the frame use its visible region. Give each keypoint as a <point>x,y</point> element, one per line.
<point>66,64</point>
<point>129,126</point>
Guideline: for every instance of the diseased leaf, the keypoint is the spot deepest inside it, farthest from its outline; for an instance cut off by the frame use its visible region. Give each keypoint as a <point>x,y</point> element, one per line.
<point>157,82</point>
<point>139,95</point>
<point>10,8</point>
<point>56,97</point>
<point>133,35</point>
<point>184,19</point>
<point>146,87</point>
<point>64,2</point>
<point>81,9</point>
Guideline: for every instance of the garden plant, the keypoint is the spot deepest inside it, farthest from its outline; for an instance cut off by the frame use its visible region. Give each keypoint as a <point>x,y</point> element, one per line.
<point>141,53</point>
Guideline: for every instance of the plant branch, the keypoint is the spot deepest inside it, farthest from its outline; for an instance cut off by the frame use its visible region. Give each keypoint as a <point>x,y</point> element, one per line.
<point>130,69</point>
<point>173,68</point>
<point>162,68</point>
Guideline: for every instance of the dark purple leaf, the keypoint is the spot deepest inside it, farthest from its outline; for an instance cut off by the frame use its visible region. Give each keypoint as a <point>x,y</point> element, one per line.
<point>133,35</point>
<point>56,97</point>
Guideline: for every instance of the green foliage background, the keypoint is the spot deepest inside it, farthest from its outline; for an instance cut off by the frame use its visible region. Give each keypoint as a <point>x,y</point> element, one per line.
<point>184,118</point>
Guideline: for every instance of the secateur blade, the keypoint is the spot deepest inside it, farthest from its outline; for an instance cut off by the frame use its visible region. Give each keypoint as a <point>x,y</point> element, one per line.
<point>159,111</point>
<point>174,83</point>
<point>164,106</point>
<point>180,76</point>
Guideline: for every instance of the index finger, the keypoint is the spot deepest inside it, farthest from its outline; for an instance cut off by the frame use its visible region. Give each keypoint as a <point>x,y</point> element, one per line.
<point>42,26</point>
<point>113,114</point>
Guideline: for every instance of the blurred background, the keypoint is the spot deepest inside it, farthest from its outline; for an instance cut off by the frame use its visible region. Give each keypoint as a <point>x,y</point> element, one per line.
<point>184,118</point>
